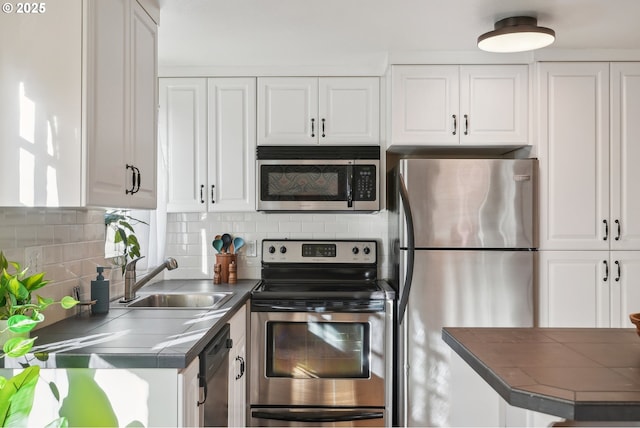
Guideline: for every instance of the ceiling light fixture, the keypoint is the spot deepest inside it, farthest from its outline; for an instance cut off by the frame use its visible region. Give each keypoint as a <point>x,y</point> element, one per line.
<point>516,34</point>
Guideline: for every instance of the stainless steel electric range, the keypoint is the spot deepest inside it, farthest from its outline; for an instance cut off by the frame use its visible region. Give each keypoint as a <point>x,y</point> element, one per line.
<point>321,336</point>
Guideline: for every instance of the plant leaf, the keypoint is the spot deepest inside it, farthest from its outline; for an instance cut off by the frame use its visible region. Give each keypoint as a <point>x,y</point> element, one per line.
<point>21,323</point>
<point>18,346</point>
<point>68,302</point>
<point>54,390</point>
<point>35,281</point>
<point>44,302</point>
<point>17,289</point>
<point>16,398</point>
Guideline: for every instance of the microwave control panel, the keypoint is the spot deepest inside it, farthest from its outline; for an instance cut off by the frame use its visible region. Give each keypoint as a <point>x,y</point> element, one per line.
<point>364,183</point>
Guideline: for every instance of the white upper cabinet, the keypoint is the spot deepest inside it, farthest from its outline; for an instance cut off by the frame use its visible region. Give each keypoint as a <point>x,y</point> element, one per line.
<point>625,156</point>
<point>311,110</point>
<point>78,111</point>
<point>208,126</point>
<point>451,105</point>
<point>589,197</point>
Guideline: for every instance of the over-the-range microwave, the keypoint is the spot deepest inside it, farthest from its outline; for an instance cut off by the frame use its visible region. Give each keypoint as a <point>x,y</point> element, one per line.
<point>318,178</point>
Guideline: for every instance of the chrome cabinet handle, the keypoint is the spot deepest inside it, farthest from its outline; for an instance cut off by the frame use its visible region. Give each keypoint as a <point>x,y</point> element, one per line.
<point>323,135</point>
<point>313,127</point>
<point>213,200</point>
<point>606,271</point>
<point>202,193</point>
<point>617,238</point>
<point>617,262</point>
<point>606,230</point>
<point>466,124</point>
<point>455,124</point>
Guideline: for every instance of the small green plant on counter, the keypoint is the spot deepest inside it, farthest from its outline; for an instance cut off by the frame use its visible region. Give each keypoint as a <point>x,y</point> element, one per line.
<point>22,315</point>
<point>124,235</point>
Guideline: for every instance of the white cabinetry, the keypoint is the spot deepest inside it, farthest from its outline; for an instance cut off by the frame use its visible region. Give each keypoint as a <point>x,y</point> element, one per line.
<point>73,121</point>
<point>189,413</point>
<point>589,288</point>
<point>589,197</point>
<point>451,104</point>
<point>208,126</point>
<point>310,110</point>
<point>238,369</point>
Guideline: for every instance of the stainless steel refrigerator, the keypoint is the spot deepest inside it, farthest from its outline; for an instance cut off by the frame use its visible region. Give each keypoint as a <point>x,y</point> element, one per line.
<point>463,240</point>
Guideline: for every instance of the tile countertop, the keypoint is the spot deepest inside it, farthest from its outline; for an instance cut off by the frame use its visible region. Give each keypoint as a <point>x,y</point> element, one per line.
<point>580,374</point>
<point>139,338</point>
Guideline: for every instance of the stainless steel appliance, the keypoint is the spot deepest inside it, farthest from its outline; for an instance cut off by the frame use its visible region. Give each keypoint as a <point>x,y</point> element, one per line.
<point>321,336</point>
<point>214,380</point>
<point>318,178</point>
<point>463,239</point>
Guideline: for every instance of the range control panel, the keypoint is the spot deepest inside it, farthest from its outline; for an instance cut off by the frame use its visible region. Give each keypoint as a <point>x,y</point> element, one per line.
<point>311,251</point>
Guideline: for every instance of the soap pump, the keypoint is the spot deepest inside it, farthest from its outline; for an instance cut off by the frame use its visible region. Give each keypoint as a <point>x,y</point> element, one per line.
<point>100,293</point>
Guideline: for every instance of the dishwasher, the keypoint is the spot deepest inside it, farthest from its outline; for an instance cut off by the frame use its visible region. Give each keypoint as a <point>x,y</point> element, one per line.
<point>214,379</point>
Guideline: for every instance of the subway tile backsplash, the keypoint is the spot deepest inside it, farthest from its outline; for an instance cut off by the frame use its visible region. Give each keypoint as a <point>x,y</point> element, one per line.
<point>72,242</point>
<point>189,236</point>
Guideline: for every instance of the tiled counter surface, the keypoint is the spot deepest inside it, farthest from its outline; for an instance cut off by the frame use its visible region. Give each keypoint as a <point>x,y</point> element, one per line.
<point>140,338</point>
<point>578,374</point>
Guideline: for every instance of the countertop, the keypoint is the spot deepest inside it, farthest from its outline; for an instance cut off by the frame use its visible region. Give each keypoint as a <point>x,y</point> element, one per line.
<point>140,338</point>
<point>581,374</point>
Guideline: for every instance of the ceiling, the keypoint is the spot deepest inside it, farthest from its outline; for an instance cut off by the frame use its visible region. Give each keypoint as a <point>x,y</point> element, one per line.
<point>366,33</point>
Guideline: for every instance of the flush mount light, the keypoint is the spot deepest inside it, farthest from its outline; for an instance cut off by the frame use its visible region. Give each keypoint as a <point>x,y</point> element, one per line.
<point>516,34</point>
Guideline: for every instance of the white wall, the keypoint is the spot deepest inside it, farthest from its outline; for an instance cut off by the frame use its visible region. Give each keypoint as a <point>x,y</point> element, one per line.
<point>189,236</point>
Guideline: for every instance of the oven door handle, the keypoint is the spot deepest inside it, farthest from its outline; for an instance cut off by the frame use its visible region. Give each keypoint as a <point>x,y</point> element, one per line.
<point>315,416</point>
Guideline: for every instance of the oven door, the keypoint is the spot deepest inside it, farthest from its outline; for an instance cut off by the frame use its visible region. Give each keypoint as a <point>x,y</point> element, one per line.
<point>318,359</point>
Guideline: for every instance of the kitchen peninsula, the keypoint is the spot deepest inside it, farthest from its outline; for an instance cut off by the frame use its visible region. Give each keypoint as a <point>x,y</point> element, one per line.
<point>580,374</point>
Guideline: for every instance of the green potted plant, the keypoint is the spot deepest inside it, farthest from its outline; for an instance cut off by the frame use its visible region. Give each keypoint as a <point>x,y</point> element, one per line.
<point>21,314</point>
<point>124,238</point>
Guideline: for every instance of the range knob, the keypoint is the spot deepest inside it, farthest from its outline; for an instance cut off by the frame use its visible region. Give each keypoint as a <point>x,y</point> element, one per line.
<point>283,249</point>
<point>272,249</point>
<point>366,250</point>
<point>355,250</point>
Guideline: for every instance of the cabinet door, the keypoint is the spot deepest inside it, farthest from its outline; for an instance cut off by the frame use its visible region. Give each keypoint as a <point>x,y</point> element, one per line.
<point>288,110</point>
<point>574,289</point>
<point>349,110</point>
<point>494,104</point>
<point>183,134</point>
<point>574,156</point>
<point>425,104</point>
<point>625,287</point>
<point>238,369</point>
<point>143,150</point>
<point>40,107</point>
<point>231,144</point>
<point>107,103</point>
<point>189,412</point>
<point>625,156</point>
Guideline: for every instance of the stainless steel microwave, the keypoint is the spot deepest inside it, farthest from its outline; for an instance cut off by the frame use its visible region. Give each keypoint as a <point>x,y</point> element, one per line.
<point>318,178</point>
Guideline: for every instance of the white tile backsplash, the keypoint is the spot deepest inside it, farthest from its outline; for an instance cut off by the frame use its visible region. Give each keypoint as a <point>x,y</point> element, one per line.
<point>72,242</point>
<point>196,255</point>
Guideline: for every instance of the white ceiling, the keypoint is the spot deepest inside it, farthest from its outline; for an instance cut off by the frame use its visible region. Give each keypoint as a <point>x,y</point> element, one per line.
<point>366,33</point>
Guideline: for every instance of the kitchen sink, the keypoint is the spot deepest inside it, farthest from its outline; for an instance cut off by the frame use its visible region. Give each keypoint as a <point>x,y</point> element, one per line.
<point>182,300</point>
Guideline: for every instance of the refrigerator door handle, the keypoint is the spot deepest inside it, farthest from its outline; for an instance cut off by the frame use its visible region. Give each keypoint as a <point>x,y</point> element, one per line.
<point>406,288</point>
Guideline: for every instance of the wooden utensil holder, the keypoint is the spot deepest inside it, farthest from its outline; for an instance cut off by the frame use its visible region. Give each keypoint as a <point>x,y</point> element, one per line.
<point>224,260</point>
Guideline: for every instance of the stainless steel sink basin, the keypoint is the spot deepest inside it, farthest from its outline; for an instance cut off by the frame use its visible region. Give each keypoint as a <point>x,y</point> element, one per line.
<point>182,301</point>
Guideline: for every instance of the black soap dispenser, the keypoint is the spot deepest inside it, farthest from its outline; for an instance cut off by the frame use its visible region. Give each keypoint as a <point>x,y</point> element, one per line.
<point>100,293</point>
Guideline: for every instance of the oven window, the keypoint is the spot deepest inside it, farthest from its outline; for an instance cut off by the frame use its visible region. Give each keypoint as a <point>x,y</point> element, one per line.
<point>317,350</point>
<point>303,182</point>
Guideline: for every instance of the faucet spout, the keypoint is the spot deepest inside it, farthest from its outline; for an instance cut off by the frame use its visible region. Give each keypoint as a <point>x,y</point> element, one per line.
<point>130,283</point>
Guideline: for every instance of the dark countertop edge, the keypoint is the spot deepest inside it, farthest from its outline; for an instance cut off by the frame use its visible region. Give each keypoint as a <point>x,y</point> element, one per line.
<point>170,358</point>
<point>570,410</point>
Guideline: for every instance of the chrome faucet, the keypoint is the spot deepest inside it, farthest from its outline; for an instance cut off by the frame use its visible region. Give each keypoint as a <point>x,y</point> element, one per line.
<point>130,284</point>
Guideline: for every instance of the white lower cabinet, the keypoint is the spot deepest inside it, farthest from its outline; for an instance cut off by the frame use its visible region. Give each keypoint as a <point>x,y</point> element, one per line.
<point>238,369</point>
<point>189,413</point>
<point>588,288</point>
<point>207,129</point>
